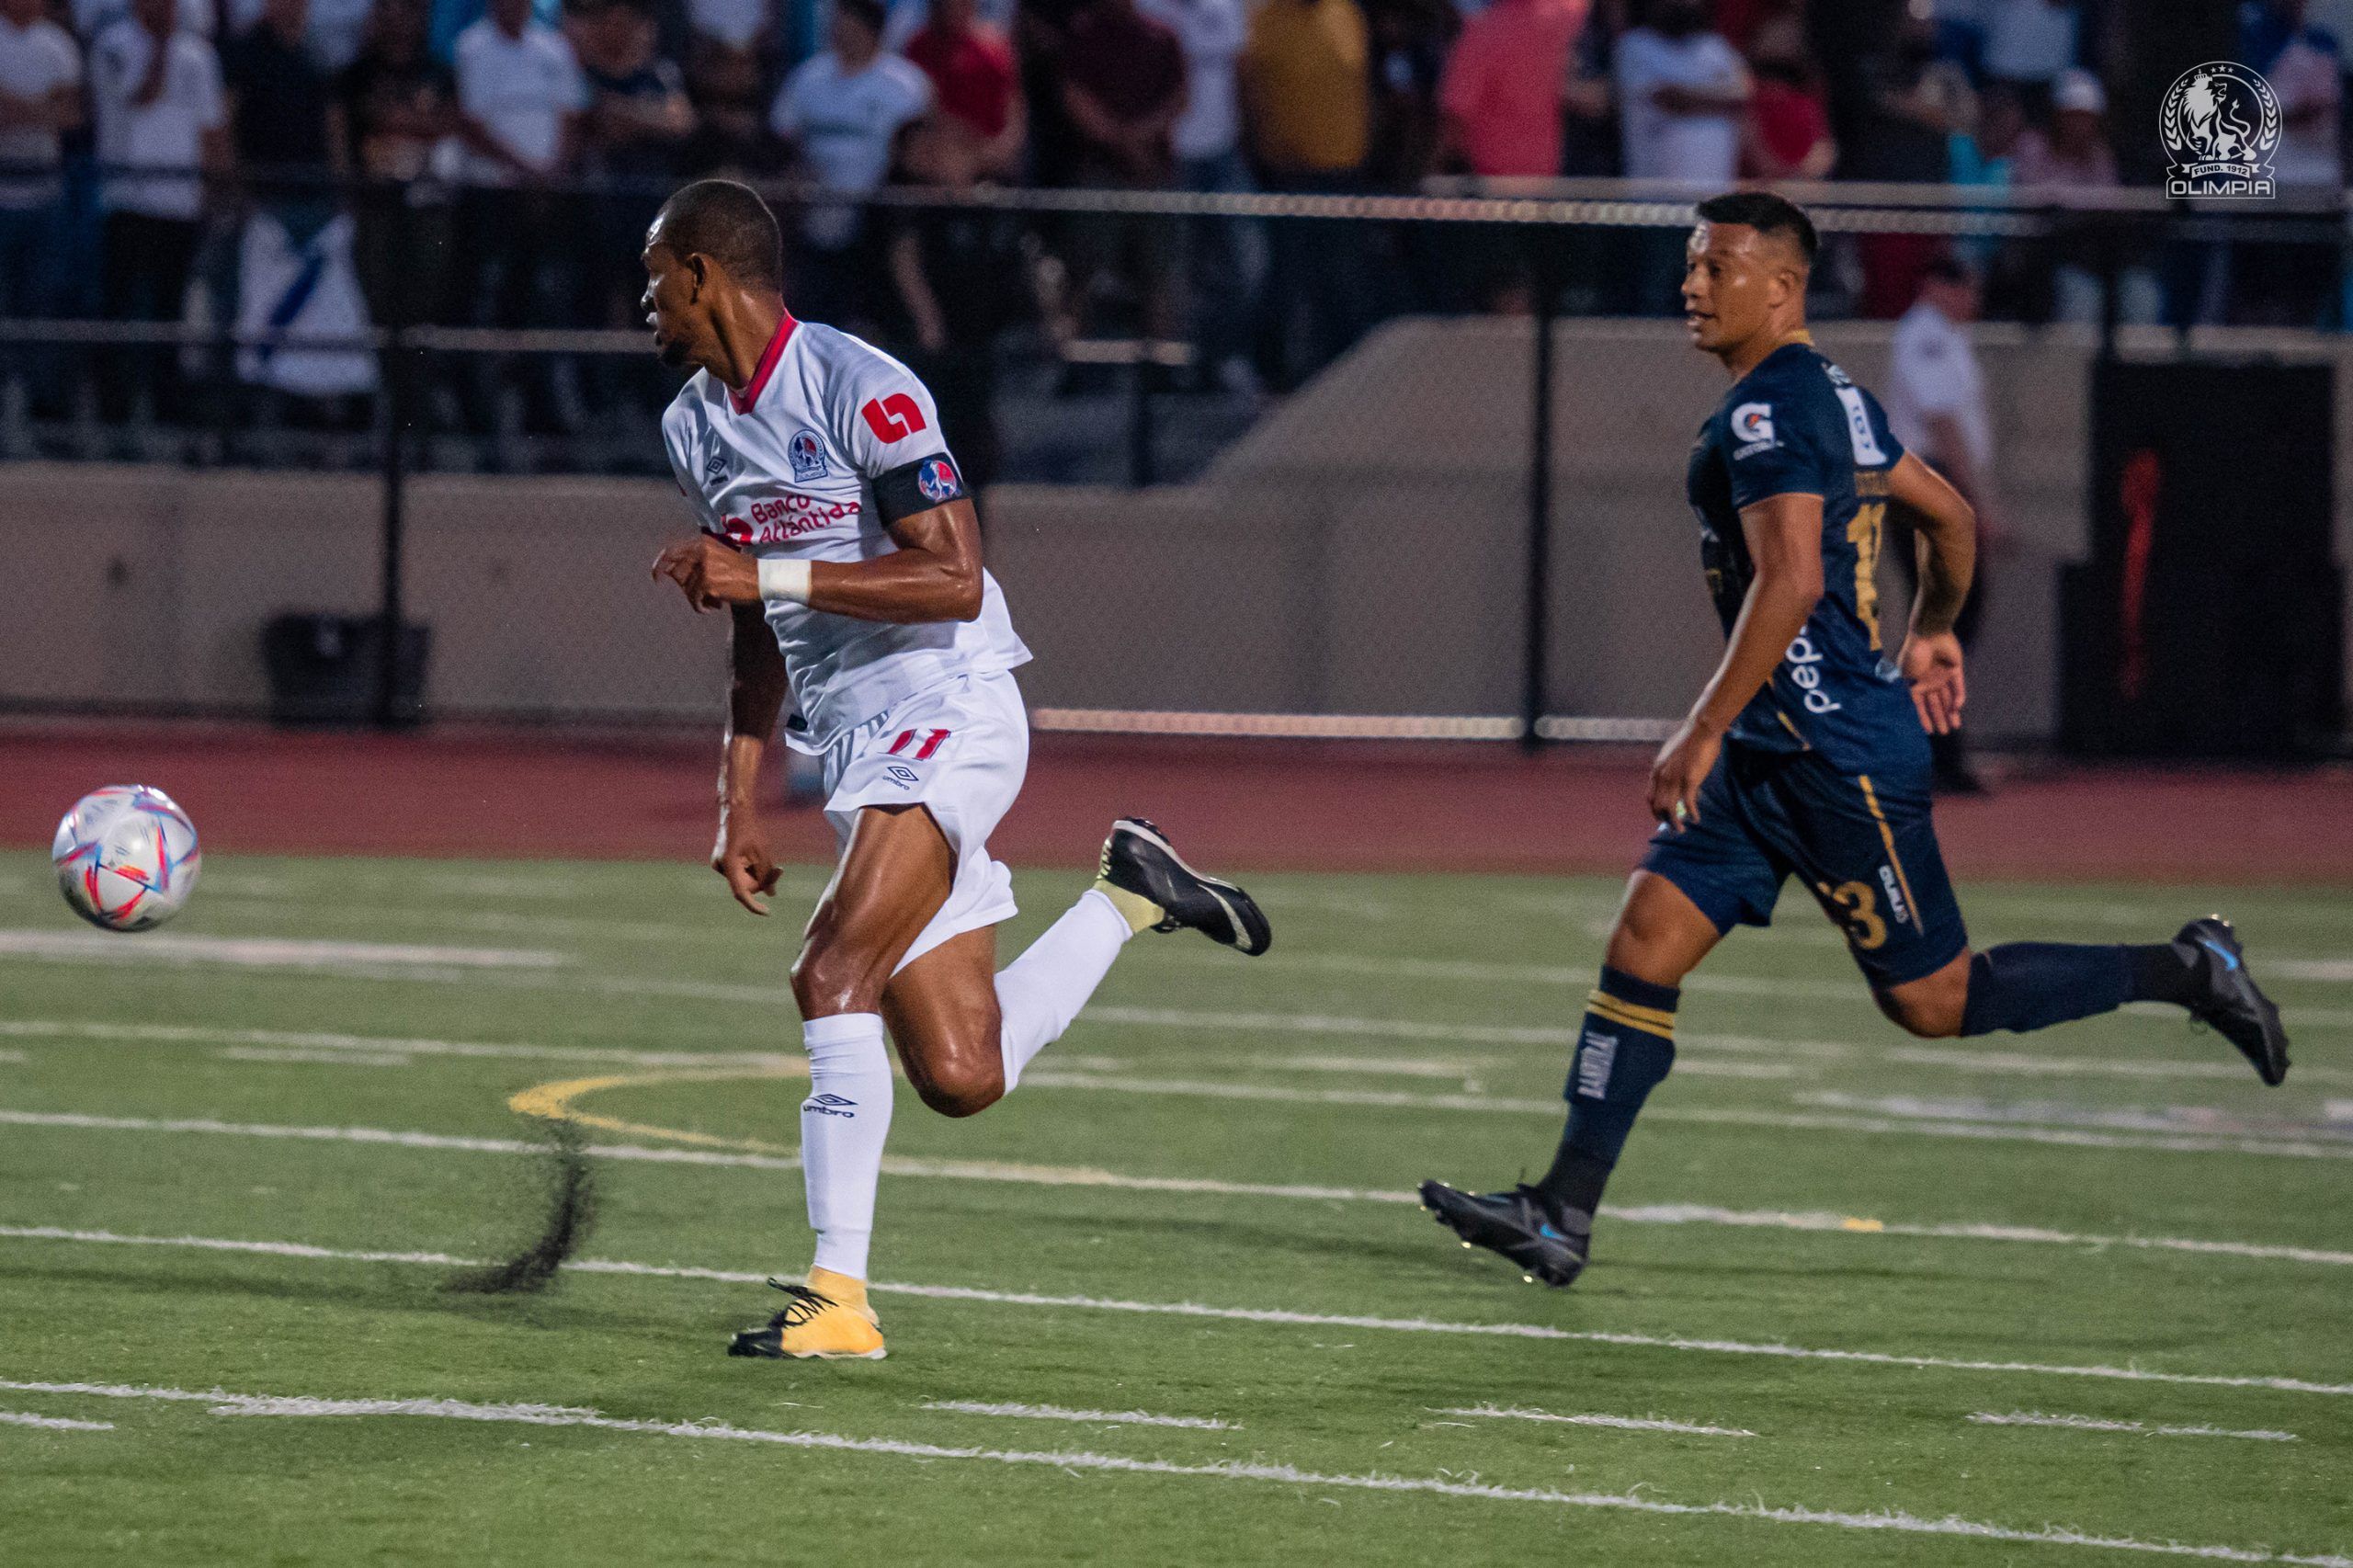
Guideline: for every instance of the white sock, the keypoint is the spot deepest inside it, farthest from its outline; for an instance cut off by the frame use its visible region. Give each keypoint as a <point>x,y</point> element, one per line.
<point>1040,993</point>
<point>843,1124</point>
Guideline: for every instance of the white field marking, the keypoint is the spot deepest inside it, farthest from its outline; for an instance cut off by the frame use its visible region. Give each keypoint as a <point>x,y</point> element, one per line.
<point>2026,1063</point>
<point>1065,1176</point>
<point>2140,1428</point>
<point>2180,1140</point>
<point>1096,1417</point>
<point>173,1034</point>
<point>332,1058</point>
<point>258,952</point>
<point>1624,1423</point>
<point>1277,1315</point>
<point>220,1402</point>
<point>2337,1110</point>
<point>1462,1068</point>
<point>51,1423</point>
<point>2337,969</point>
<point>14,1058</point>
<point>2203,1121</point>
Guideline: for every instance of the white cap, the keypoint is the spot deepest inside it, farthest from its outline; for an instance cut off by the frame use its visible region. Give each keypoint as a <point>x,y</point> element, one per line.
<point>2079,90</point>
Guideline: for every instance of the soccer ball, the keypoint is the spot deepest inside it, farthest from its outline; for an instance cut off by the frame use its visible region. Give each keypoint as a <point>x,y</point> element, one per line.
<point>126,857</point>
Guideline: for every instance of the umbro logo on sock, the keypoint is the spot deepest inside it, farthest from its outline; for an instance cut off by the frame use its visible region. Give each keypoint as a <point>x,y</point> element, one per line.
<point>831,1105</point>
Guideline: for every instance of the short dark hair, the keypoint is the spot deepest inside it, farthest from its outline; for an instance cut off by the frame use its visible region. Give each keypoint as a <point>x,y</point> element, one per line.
<point>726,221</point>
<point>1948,267</point>
<point>868,12</point>
<point>1765,213</point>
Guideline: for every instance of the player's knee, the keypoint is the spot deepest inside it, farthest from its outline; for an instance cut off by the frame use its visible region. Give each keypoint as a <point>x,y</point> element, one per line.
<point>1930,1008</point>
<point>828,979</point>
<point>961,1088</point>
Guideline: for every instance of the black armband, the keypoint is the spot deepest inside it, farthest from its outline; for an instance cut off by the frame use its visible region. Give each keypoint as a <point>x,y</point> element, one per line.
<point>918,486</point>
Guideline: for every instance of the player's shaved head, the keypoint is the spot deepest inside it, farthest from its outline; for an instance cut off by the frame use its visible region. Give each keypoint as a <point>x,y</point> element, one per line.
<point>1745,278</point>
<point>727,222</point>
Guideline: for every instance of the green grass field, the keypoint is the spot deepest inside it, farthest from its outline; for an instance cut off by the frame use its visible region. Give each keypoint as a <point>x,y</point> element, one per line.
<point>1834,1245</point>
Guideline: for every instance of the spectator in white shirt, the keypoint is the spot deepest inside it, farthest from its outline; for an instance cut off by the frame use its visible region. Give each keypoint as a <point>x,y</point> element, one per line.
<point>1683,99</point>
<point>520,101</point>
<point>841,112</point>
<point>1223,255</point>
<point>40,95</point>
<point>1682,93</point>
<point>160,105</point>
<point>1935,406</point>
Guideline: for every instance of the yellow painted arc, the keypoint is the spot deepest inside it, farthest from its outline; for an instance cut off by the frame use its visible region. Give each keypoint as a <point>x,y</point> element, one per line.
<point>553,1102</point>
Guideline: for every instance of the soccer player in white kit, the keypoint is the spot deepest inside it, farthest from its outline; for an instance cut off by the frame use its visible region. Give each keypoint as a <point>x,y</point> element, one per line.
<point>836,533</point>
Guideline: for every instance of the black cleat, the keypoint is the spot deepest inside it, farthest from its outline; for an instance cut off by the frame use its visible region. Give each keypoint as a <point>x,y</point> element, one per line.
<point>1519,1224</point>
<point>1137,859</point>
<point>2230,1002</point>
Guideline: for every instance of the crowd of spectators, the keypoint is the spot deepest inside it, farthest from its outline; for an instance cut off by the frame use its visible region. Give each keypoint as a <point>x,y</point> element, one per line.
<point>513,150</point>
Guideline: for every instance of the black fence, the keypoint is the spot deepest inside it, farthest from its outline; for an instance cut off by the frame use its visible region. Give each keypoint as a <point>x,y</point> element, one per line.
<point>1115,339</point>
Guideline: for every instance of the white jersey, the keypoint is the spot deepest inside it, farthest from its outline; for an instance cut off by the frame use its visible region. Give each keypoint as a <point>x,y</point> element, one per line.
<point>785,470</point>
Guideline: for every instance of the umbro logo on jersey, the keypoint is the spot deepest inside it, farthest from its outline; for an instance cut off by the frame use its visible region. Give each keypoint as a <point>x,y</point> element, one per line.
<point>831,1105</point>
<point>808,455</point>
<point>714,471</point>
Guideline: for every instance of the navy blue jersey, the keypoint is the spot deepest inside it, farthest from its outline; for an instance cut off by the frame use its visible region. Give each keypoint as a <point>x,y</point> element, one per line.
<point>1795,425</point>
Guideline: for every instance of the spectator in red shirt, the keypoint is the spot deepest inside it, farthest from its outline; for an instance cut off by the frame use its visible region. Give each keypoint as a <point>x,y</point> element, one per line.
<point>1789,131</point>
<point>1501,93</point>
<point>978,85</point>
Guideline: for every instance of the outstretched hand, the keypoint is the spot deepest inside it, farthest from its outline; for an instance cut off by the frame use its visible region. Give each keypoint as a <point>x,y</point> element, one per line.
<point>1931,662</point>
<point>710,573</point>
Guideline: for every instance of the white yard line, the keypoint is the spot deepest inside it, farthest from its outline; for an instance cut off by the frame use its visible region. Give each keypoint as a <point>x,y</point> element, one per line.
<point>51,1423</point>
<point>1277,1315</point>
<point>1093,1417</point>
<point>1623,1423</point>
<point>1067,1176</point>
<point>332,1058</point>
<point>1880,1120</point>
<point>220,1402</point>
<point>2031,1065</point>
<point>2138,1428</point>
<point>2202,1121</point>
<point>258,952</point>
<point>312,1039</point>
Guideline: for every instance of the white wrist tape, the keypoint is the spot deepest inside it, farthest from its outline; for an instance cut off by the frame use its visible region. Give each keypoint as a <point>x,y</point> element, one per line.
<point>787,580</point>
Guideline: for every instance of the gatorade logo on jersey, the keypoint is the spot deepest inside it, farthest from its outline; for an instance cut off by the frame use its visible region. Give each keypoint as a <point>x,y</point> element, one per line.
<point>1752,427</point>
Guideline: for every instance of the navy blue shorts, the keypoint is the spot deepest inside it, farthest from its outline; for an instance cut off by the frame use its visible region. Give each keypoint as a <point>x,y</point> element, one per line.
<point>1862,843</point>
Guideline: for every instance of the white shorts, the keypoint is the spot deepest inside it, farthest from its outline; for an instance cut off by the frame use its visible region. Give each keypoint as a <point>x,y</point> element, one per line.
<point>960,750</point>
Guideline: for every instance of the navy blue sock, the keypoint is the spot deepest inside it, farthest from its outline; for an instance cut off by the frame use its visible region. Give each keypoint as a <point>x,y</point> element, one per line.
<point>2021,986</point>
<point>1625,1048</point>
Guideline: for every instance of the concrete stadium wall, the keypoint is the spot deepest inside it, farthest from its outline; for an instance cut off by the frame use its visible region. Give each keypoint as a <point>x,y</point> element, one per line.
<point>1361,550</point>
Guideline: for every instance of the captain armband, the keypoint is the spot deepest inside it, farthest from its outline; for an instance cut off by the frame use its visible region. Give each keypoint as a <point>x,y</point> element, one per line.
<point>918,486</point>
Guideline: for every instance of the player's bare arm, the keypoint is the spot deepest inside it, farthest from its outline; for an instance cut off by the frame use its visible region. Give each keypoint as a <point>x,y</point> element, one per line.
<point>756,693</point>
<point>934,576</point>
<point>1932,658</point>
<point>1784,535</point>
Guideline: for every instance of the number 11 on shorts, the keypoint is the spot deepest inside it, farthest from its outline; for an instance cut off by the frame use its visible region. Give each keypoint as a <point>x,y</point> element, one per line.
<point>929,744</point>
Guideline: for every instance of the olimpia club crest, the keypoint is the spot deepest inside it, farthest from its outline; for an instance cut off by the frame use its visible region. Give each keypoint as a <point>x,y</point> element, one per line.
<point>2220,123</point>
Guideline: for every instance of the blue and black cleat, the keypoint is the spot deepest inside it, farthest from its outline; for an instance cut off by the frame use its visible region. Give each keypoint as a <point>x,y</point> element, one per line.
<point>1519,1224</point>
<point>2229,1000</point>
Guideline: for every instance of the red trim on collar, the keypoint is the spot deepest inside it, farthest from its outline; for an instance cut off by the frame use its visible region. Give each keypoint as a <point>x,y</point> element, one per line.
<point>742,402</point>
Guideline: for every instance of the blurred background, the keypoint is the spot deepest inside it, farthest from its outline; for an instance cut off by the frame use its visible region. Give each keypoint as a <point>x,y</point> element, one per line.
<point>1317,360</point>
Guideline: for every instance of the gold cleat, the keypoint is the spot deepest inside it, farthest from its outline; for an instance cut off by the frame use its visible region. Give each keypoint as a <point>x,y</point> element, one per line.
<point>827,1318</point>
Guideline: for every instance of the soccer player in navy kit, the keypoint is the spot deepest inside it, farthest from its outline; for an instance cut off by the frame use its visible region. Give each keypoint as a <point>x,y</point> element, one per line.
<point>1806,753</point>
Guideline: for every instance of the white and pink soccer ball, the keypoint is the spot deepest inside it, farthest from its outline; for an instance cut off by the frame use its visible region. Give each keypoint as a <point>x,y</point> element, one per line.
<point>126,857</point>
